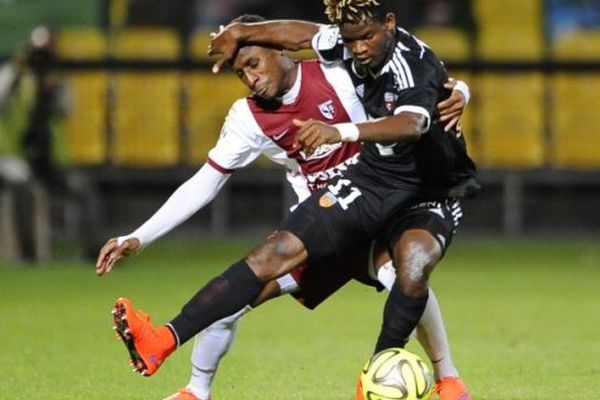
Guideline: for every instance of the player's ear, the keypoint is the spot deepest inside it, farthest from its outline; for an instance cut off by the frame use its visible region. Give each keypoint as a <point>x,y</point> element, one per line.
<point>390,22</point>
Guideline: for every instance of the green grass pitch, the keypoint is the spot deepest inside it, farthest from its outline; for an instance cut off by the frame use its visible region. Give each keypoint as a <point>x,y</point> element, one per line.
<point>523,319</point>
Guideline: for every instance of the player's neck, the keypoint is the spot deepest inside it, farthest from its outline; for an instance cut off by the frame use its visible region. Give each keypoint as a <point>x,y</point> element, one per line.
<point>389,53</point>
<point>291,74</point>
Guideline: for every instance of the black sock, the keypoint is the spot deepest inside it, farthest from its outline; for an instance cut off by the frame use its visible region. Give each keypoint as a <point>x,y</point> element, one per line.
<point>219,298</point>
<point>400,316</point>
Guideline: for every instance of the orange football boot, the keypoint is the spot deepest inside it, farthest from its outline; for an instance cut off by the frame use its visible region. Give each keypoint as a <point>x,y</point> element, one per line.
<point>184,394</point>
<point>147,344</point>
<point>452,388</point>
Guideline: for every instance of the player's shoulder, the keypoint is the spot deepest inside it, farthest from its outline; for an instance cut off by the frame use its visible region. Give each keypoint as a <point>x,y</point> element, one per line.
<point>415,59</point>
<point>240,104</point>
<point>240,119</point>
<point>239,111</point>
<point>415,50</point>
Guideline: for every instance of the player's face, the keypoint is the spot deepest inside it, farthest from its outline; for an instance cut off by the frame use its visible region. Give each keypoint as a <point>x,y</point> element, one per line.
<point>371,42</point>
<point>261,70</point>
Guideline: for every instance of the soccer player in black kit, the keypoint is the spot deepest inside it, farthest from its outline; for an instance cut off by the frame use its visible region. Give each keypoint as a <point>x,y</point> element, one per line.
<point>407,159</point>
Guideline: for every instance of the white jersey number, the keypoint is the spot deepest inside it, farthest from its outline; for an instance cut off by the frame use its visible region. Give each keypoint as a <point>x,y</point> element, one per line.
<point>345,201</point>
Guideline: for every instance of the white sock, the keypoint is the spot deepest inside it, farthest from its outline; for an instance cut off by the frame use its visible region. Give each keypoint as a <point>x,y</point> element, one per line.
<point>386,275</point>
<point>210,346</point>
<point>432,335</point>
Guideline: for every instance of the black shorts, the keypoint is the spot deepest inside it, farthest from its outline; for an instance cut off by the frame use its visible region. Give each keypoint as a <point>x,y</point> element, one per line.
<point>319,280</point>
<point>335,220</point>
<point>439,217</point>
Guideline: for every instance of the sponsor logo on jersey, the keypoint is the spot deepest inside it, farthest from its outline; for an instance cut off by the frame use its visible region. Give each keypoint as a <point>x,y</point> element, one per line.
<point>427,204</point>
<point>322,151</point>
<point>320,179</point>
<point>327,200</point>
<point>327,109</point>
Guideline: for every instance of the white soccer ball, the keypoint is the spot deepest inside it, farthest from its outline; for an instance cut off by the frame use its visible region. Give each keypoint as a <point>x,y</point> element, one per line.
<point>394,374</point>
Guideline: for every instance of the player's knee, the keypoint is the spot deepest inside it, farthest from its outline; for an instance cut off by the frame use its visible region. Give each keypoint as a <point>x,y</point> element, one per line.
<point>279,254</point>
<point>415,259</point>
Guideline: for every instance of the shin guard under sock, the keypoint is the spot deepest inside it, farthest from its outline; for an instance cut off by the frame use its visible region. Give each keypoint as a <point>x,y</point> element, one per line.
<point>224,295</point>
<point>400,316</point>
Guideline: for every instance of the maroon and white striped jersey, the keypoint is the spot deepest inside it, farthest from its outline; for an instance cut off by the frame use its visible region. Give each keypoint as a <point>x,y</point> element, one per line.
<point>321,92</point>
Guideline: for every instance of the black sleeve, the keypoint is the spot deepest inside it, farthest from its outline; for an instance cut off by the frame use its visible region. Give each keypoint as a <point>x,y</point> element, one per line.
<point>424,79</point>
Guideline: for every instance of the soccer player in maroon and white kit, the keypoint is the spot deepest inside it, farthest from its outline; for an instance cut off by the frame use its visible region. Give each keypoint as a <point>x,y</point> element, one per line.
<point>285,90</point>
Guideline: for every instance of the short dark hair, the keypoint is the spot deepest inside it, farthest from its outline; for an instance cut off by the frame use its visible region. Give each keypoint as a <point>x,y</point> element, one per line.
<point>249,18</point>
<point>353,11</point>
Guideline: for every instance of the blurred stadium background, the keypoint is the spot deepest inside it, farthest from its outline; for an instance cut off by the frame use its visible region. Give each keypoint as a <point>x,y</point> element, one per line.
<point>138,111</point>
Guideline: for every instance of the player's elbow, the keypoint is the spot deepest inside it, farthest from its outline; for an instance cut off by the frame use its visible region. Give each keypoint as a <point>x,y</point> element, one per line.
<point>413,125</point>
<point>415,128</point>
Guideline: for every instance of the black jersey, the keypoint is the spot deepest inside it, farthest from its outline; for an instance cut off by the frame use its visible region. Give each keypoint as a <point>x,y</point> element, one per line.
<point>411,80</point>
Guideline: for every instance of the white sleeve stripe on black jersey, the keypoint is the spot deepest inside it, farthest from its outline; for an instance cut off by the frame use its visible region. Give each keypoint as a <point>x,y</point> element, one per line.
<point>416,110</point>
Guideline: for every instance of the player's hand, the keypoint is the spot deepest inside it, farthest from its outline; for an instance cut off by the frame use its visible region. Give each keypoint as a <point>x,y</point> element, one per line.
<point>111,252</point>
<point>312,134</point>
<point>223,44</point>
<point>453,107</point>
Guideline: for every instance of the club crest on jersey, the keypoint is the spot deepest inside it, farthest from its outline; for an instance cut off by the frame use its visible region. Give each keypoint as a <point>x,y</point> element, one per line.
<point>389,99</point>
<point>327,109</point>
<point>327,200</point>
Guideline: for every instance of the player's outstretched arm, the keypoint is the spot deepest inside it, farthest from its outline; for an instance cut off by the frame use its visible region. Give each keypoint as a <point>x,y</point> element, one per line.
<point>186,200</point>
<point>290,35</point>
<point>451,109</point>
<point>112,252</point>
<point>404,127</point>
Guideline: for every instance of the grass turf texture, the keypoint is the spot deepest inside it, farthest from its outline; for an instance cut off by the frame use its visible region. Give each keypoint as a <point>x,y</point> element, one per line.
<point>523,320</point>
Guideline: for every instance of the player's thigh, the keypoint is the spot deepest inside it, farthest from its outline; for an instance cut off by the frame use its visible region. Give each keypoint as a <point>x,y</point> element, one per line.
<point>277,255</point>
<point>419,238</point>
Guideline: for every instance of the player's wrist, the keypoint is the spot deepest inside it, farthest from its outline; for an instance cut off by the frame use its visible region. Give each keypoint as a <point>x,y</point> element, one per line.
<point>348,131</point>
<point>464,89</point>
<point>123,239</point>
<point>241,31</point>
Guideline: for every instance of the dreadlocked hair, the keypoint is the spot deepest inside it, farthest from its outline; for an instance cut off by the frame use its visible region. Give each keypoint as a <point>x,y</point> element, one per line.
<point>352,11</point>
